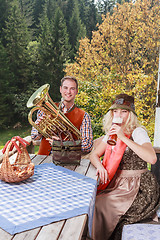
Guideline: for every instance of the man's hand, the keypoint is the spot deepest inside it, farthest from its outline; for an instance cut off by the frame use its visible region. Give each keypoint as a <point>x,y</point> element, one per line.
<point>50,140</point>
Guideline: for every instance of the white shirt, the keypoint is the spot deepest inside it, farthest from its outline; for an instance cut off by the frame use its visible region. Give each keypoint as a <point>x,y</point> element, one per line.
<point>139,136</point>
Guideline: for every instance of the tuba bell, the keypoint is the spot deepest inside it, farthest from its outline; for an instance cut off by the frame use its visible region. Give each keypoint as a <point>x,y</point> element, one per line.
<point>54,122</point>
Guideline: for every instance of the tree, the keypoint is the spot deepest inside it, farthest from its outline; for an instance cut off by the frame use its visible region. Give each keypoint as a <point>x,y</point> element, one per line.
<point>53,51</point>
<point>76,30</point>
<point>105,6</point>
<point>35,37</point>
<point>17,39</point>
<point>27,11</point>
<point>69,10</point>
<point>91,18</point>
<point>6,90</point>
<point>121,57</point>
<point>3,17</point>
<point>37,12</point>
<point>16,42</point>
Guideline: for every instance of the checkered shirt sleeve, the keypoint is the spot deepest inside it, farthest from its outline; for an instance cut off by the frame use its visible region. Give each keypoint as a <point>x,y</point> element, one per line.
<point>86,133</point>
<point>35,135</point>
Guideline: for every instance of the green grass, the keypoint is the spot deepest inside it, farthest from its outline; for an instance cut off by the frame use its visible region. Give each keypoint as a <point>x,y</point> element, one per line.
<point>6,135</point>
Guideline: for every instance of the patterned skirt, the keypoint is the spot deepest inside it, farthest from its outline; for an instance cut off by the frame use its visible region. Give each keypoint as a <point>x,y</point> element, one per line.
<point>131,196</point>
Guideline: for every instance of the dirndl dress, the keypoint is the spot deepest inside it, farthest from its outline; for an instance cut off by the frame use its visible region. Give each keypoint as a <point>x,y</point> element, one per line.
<point>132,195</point>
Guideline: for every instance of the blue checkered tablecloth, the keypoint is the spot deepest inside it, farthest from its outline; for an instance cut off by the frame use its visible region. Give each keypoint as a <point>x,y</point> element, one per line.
<point>52,194</point>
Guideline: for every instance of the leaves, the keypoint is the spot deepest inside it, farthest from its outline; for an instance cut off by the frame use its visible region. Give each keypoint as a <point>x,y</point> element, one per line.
<point>122,56</point>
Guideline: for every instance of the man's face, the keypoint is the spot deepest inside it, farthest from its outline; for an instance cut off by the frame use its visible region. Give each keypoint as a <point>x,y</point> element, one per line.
<point>68,90</point>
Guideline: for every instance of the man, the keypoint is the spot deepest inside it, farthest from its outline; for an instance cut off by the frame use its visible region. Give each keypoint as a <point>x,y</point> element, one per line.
<point>78,117</point>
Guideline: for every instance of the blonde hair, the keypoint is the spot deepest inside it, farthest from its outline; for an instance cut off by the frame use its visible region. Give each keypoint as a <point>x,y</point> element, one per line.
<point>131,123</point>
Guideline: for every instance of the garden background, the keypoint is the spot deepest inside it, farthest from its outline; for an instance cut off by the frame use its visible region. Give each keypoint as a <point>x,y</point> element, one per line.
<point>110,46</point>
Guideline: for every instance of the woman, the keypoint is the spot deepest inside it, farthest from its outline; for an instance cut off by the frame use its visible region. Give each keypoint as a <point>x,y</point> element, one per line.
<point>132,195</point>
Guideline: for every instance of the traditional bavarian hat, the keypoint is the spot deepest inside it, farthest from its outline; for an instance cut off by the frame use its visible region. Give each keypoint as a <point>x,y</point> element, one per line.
<point>124,101</point>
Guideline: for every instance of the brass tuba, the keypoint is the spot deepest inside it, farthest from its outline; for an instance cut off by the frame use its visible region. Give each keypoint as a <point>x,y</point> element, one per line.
<point>54,122</point>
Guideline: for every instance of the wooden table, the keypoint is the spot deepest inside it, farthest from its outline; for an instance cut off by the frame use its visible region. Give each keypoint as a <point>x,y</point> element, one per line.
<point>70,229</point>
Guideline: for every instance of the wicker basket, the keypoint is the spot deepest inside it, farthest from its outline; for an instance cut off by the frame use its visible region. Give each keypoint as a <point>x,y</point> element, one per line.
<point>22,168</point>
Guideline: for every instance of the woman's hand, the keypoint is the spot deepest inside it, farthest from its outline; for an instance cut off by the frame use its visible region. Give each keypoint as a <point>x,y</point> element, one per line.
<point>95,160</point>
<point>144,151</point>
<point>116,129</point>
<point>102,173</point>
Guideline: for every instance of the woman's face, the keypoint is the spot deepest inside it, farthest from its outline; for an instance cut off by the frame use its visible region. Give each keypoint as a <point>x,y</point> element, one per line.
<point>122,113</point>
